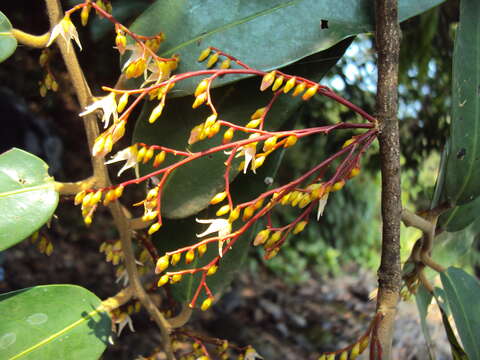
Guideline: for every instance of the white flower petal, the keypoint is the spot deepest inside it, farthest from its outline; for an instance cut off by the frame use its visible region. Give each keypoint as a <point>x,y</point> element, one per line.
<point>322,202</point>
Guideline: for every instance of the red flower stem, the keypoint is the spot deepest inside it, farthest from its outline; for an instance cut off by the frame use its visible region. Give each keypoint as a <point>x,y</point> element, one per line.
<point>268,107</point>
<point>166,149</point>
<point>226,175</point>
<point>233,58</point>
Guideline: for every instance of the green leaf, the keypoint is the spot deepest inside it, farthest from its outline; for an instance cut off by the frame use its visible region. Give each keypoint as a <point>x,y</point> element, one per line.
<point>190,188</point>
<point>52,322</point>
<point>460,217</point>
<point>463,163</point>
<point>27,196</point>
<point>462,292</point>
<point>265,34</point>
<point>8,43</point>
<point>423,299</point>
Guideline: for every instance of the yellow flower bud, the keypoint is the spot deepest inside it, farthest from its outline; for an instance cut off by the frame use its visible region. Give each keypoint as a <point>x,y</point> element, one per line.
<point>119,131</point>
<point>190,256</point>
<point>355,351</point>
<point>310,92</point>
<point>261,237</point>
<point>299,227</point>
<point>159,158</point>
<point>141,154</point>
<point>199,100</point>
<point>154,228</point>
<point>258,162</point>
<point>86,202</point>
<point>214,129</point>
<point>271,254</point>
<point>322,357</point>
<point>225,64</point>
<point>201,87</point>
<point>162,264</point>
<point>289,85</point>
<point>338,185</point>
<point>148,155</point>
<point>212,60</point>
<point>348,142</point>
<point>223,210</point>
<point>211,120</point>
<point>248,212</point>
<point>258,113</point>
<point>270,143</point>
<point>175,278</point>
<point>107,147</point>
<point>252,124</point>
<point>212,270</point>
<point>300,88</point>
<point>278,82</point>
<point>267,80</point>
<point>49,249</point>
<point>354,172</point>
<point>218,198</point>
<point>79,197</point>
<point>163,280</point>
<point>176,258</point>
<point>364,343</point>
<point>344,355</point>
<point>121,42</point>
<point>96,197</point>
<point>118,191</point>
<point>291,140</point>
<point>227,136</point>
<point>156,112</point>
<point>234,214</point>
<point>204,54</point>
<point>304,201</point>
<point>206,304</point>
<point>87,220</point>
<point>202,249</point>
<point>84,14</point>
<point>286,199</point>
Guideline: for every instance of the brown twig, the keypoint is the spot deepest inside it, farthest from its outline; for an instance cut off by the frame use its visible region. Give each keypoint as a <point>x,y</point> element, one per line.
<point>387,35</point>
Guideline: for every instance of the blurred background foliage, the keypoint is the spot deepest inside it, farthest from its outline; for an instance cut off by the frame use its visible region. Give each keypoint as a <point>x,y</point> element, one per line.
<point>349,232</point>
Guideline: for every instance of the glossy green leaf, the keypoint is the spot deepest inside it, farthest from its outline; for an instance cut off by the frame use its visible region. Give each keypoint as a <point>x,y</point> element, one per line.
<point>265,34</point>
<point>8,43</point>
<point>462,292</point>
<point>190,188</point>
<point>176,234</point>
<point>423,299</point>
<point>463,163</point>
<point>27,196</point>
<point>460,216</point>
<point>52,322</point>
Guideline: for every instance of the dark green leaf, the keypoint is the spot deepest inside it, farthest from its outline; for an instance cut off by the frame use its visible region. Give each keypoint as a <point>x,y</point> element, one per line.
<point>460,216</point>
<point>190,188</point>
<point>52,322</point>
<point>423,299</point>
<point>462,292</point>
<point>8,43</point>
<point>463,163</point>
<point>265,34</point>
<point>27,196</point>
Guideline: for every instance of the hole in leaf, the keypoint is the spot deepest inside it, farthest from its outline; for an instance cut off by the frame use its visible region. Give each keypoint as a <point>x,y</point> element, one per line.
<point>461,153</point>
<point>323,24</point>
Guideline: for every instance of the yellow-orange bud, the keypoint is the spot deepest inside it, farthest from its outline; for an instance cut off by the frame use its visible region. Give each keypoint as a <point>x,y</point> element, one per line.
<point>270,143</point>
<point>300,88</point>
<point>201,87</point>
<point>154,228</point>
<point>121,42</point>
<point>258,113</point>
<point>162,264</point>
<point>338,185</point>
<point>96,197</point>
<point>267,80</point>
<point>79,197</point>
<point>84,14</point>
<point>176,258</point>
<point>364,343</point>
<point>344,355</point>
<point>289,85</point>
<point>141,153</point>
<point>175,278</point>
<point>354,172</point>
<point>271,254</point>
<point>278,82</point>
<point>199,100</point>
<point>299,227</point>
<point>163,280</point>
<point>107,147</point>
<point>258,162</point>
<point>202,249</point>
<point>252,124</point>
<point>248,212</point>
<point>156,112</point>
<point>212,60</point>
<point>218,198</point>
<point>148,155</point>
<point>228,135</point>
<point>355,351</point>
<point>204,54</point>
<point>348,142</point>
<point>261,237</point>
<point>304,201</point>
<point>212,270</point>
<point>234,214</point>
<point>214,129</point>
<point>206,304</point>
<point>211,120</point>
<point>225,64</point>
<point>223,210</point>
<point>159,158</point>
<point>190,256</point>
<point>310,92</point>
<point>291,140</point>
<point>118,191</point>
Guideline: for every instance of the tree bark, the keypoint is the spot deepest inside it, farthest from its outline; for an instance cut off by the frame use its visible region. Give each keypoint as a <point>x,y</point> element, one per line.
<point>387,35</point>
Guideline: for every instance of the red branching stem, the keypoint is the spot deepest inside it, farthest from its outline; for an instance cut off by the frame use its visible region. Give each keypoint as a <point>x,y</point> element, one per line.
<point>226,175</point>
<point>166,149</point>
<point>268,107</point>
<point>221,53</point>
